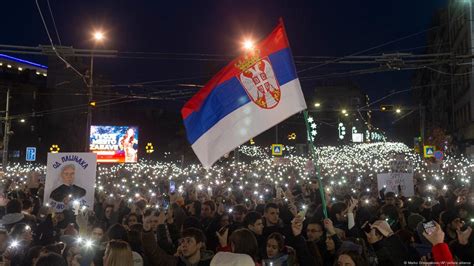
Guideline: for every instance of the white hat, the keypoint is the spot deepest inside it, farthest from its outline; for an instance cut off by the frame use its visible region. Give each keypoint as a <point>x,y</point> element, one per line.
<point>232,259</point>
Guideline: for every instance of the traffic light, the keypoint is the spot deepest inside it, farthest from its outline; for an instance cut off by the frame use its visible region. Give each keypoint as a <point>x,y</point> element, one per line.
<point>386,108</point>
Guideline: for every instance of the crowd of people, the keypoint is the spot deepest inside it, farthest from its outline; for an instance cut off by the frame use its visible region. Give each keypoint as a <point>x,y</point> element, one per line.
<point>260,212</point>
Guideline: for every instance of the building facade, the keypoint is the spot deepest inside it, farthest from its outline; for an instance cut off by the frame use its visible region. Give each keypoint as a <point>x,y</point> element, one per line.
<point>25,81</point>
<point>445,88</point>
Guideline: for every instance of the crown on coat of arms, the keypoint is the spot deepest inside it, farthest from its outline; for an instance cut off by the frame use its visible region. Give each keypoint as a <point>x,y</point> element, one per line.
<point>248,60</point>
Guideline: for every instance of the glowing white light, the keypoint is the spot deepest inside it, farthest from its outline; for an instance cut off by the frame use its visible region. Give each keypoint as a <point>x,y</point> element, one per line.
<point>248,44</point>
<point>14,244</point>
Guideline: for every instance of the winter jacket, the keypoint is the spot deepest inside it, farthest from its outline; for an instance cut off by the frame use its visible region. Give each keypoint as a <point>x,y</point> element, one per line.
<point>391,251</point>
<point>464,253</point>
<point>441,253</point>
<point>168,244</point>
<point>303,254</point>
<point>206,257</point>
<point>158,257</point>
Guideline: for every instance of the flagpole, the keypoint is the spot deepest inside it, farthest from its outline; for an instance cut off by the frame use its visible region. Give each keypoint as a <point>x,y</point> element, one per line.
<point>316,165</point>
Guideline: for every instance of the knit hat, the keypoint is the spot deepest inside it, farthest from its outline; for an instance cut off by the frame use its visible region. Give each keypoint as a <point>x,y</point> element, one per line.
<point>448,216</point>
<point>232,259</point>
<point>413,220</point>
<point>383,227</point>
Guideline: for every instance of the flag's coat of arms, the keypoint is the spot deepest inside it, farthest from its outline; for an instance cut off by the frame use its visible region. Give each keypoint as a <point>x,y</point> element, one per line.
<point>250,95</point>
<point>260,84</point>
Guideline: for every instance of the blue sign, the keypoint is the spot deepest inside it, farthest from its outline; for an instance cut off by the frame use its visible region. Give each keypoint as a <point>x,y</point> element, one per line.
<point>438,155</point>
<point>30,154</point>
<point>277,149</point>
<point>429,151</point>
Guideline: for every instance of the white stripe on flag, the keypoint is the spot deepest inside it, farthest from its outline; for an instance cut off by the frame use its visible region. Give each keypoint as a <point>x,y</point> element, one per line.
<point>247,122</point>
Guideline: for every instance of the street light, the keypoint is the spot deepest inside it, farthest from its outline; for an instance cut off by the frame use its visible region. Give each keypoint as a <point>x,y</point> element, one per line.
<point>344,111</point>
<point>398,110</point>
<point>317,105</point>
<point>98,36</point>
<point>248,44</point>
<point>22,120</point>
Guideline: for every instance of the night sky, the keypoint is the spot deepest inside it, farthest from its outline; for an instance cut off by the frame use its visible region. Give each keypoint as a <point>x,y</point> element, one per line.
<point>315,28</point>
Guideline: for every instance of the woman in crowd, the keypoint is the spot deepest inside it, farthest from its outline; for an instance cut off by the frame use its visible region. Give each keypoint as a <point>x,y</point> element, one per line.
<point>118,253</point>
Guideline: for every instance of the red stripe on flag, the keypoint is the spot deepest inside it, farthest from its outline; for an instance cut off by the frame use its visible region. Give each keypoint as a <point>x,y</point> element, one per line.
<point>276,41</point>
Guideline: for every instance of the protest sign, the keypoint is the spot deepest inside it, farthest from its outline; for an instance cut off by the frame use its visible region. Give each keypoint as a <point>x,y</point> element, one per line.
<point>391,181</point>
<point>70,179</point>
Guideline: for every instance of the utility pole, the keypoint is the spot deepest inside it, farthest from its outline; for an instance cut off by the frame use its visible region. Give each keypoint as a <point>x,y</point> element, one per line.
<point>6,134</point>
<point>89,107</point>
<point>422,125</point>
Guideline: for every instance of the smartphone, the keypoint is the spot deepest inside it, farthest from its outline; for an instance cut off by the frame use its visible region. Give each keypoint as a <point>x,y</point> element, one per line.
<point>172,187</point>
<point>165,204</point>
<point>429,227</point>
<point>366,227</point>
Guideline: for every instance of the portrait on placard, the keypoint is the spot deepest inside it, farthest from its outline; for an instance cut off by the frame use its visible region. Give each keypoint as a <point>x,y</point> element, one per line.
<point>70,178</point>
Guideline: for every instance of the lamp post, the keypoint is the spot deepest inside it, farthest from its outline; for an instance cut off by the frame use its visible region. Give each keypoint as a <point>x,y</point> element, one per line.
<point>98,36</point>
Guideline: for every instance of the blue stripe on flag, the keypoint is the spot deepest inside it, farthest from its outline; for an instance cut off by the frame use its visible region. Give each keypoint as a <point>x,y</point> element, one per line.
<point>230,95</point>
<point>283,66</point>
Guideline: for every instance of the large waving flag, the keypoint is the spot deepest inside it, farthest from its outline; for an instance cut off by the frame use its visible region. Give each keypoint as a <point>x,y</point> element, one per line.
<point>250,95</point>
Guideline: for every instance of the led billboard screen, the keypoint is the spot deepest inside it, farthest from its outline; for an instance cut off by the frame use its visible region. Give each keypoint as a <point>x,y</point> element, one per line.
<point>114,144</point>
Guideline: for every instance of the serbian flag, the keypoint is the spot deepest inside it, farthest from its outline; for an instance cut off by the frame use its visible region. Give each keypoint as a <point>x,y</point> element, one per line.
<point>251,94</point>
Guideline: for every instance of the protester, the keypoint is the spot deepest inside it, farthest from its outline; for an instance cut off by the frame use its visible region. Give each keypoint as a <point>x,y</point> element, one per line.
<point>243,216</point>
<point>118,253</point>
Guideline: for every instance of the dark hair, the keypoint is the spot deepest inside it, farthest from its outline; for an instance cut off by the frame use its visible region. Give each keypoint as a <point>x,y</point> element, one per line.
<point>251,218</point>
<point>33,253</point>
<point>390,194</point>
<point>316,220</point>
<point>336,208</point>
<point>197,208</point>
<point>52,259</point>
<point>98,225</point>
<point>191,222</point>
<point>127,218</point>
<point>196,233</point>
<point>390,211</point>
<point>27,203</point>
<point>358,259</point>
<point>271,205</point>
<point>240,209</point>
<point>280,239</point>
<point>14,206</point>
<point>260,208</point>
<point>244,242</point>
<point>117,231</point>
<point>141,204</point>
<point>211,204</point>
